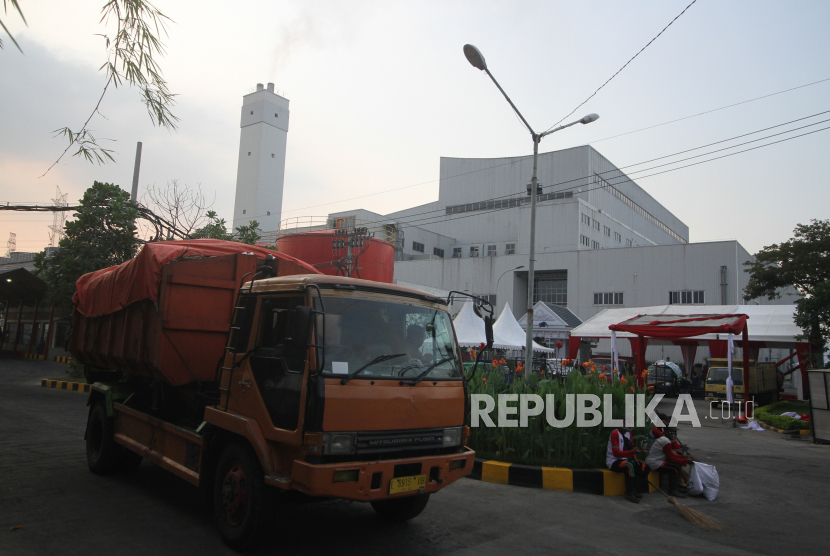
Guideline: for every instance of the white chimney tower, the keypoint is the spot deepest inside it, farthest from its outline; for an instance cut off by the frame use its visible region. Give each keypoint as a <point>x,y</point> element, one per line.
<point>261,169</point>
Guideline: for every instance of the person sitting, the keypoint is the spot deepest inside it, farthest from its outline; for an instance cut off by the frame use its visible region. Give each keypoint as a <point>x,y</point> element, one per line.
<point>621,457</point>
<point>415,336</point>
<point>665,459</point>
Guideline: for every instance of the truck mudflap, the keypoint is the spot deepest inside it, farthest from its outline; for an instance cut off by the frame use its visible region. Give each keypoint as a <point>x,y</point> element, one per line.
<point>376,480</point>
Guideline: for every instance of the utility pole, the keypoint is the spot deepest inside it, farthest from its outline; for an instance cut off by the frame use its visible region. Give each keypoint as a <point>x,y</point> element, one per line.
<point>134,193</point>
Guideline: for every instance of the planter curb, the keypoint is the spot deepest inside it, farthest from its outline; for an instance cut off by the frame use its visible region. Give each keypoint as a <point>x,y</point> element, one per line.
<point>589,481</point>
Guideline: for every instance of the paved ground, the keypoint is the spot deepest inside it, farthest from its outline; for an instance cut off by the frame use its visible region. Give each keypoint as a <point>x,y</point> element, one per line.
<point>774,499</point>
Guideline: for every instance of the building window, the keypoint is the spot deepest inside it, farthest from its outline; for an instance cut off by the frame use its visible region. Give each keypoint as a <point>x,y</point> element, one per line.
<point>491,250</point>
<point>551,287</point>
<point>487,297</point>
<point>510,249</point>
<point>629,243</point>
<point>244,211</point>
<point>686,298</point>
<point>474,251</point>
<point>606,231</point>
<point>438,252</point>
<point>419,247</point>
<point>608,298</point>
<point>456,252</point>
<point>269,213</point>
<point>272,155</point>
<point>586,219</point>
<point>596,225</point>
<point>585,240</point>
<point>594,245</point>
<point>617,237</point>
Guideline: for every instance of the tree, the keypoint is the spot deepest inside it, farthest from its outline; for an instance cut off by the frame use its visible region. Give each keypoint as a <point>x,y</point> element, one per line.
<point>101,235</point>
<point>131,59</point>
<point>802,262</point>
<point>181,205</point>
<point>216,228</point>
<point>249,234</point>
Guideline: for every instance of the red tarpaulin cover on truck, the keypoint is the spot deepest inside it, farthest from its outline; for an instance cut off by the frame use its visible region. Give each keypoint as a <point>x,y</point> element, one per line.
<point>111,289</point>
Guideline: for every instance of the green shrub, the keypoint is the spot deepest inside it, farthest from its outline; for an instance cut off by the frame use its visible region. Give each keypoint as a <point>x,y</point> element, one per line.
<point>770,414</point>
<point>539,443</point>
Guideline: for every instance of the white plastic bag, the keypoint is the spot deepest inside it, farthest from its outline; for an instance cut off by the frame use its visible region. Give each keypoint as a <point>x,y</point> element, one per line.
<point>703,479</point>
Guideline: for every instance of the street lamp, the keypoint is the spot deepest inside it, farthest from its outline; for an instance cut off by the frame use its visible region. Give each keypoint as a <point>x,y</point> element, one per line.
<point>476,59</point>
<point>505,272</point>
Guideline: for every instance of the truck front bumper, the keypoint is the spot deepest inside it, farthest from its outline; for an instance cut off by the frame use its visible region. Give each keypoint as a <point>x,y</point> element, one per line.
<point>373,477</point>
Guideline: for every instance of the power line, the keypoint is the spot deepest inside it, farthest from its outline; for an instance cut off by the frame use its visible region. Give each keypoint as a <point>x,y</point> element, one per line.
<point>710,111</point>
<point>434,219</point>
<point>620,168</point>
<point>514,159</point>
<point>624,66</point>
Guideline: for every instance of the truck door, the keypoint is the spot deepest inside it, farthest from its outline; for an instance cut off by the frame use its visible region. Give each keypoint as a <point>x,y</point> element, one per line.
<point>276,365</point>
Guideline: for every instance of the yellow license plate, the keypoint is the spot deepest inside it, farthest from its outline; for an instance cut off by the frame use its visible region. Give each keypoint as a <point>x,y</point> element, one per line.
<point>407,484</point>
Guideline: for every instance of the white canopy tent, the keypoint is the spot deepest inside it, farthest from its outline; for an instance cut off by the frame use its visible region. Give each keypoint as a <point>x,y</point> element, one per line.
<point>508,330</point>
<point>771,324</point>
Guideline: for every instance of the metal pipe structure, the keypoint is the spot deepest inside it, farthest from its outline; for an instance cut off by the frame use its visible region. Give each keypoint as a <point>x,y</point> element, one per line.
<point>476,59</point>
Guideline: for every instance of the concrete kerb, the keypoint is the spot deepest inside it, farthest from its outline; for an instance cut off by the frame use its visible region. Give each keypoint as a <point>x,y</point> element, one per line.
<point>783,431</point>
<point>62,385</point>
<point>589,481</point>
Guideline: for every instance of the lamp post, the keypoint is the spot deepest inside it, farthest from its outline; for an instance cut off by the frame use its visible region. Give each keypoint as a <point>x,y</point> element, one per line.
<point>505,272</point>
<point>476,59</point>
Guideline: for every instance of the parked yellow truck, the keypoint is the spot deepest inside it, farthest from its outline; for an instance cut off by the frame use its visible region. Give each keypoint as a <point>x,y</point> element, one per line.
<point>763,381</point>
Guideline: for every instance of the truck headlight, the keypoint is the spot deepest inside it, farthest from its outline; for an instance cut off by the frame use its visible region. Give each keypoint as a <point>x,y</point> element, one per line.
<point>452,436</point>
<point>338,442</point>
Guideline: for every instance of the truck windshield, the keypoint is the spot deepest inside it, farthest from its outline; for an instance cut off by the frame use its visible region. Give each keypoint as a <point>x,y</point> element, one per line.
<point>359,331</point>
<point>718,375</point>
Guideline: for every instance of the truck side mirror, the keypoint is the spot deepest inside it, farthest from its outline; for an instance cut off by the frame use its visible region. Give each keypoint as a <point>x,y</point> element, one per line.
<point>488,330</point>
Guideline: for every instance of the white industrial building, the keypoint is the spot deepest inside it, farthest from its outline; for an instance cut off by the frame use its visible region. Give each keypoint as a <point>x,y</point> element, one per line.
<point>601,240</point>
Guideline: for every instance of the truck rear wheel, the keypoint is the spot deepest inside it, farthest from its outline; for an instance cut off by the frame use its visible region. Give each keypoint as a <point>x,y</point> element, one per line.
<point>239,497</point>
<point>102,453</point>
<point>401,509</point>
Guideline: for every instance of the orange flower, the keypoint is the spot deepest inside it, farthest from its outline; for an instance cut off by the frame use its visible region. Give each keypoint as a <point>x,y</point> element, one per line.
<point>495,362</point>
<point>484,379</point>
<point>623,381</point>
<point>585,364</point>
<point>630,389</point>
<point>502,361</point>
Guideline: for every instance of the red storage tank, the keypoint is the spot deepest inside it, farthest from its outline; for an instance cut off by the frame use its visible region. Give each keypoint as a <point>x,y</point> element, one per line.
<point>375,261</point>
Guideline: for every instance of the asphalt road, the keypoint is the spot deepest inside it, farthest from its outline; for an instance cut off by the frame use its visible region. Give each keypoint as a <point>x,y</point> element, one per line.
<point>774,500</point>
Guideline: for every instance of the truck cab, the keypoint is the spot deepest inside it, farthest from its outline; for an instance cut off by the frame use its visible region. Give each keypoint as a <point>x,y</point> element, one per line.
<point>763,379</point>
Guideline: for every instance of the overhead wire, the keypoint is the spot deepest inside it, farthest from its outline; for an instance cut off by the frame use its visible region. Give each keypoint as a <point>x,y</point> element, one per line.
<point>622,68</point>
<point>514,159</point>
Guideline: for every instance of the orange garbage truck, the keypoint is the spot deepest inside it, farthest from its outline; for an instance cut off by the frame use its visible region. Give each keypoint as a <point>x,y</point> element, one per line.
<point>250,375</point>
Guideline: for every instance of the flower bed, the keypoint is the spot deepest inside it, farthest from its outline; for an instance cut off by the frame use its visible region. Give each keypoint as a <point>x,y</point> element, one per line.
<point>539,443</point>
<point>771,415</point>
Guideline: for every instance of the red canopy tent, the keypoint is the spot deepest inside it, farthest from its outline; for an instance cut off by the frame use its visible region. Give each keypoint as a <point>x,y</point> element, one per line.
<point>679,327</point>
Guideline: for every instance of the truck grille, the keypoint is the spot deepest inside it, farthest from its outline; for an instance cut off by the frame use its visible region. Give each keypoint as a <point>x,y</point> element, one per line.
<point>373,442</point>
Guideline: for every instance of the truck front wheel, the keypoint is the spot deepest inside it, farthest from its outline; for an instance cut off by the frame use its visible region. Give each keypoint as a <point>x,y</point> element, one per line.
<point>102,452</point>
<point>401,509</point>
<point>239,497</point>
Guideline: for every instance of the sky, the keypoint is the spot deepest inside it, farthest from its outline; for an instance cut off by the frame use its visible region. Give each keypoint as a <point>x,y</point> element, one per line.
<point>380,90</point>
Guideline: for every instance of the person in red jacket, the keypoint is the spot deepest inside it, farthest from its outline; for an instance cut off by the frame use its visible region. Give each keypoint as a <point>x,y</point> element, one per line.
<point>666,460</point>
<point>621,457</point>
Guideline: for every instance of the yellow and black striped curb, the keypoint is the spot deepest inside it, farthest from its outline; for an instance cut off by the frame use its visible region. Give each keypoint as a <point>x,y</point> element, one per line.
<point>34,356</point>
<point>62,359</point>
<point>590,481</point>
<point>73,386</point>
<point>774,429</point>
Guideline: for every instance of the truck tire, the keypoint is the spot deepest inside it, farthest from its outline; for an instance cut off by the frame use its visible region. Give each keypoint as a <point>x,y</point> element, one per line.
<point>239,497</point>
<point>102,453</point>
<point>401,509</point>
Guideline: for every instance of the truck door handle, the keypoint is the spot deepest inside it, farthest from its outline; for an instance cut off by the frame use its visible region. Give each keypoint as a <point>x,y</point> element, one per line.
<point>243,383</point>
